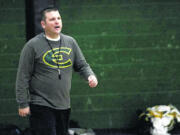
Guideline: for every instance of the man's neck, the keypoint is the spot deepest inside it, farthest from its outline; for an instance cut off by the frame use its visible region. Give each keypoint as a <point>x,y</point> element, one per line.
<point>53,38</point>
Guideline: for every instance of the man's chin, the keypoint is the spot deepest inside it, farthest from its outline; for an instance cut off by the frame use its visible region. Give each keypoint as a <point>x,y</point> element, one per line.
<point>57,32</point>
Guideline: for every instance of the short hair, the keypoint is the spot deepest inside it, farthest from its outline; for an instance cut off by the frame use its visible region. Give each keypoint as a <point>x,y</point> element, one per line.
<point>48,9</point>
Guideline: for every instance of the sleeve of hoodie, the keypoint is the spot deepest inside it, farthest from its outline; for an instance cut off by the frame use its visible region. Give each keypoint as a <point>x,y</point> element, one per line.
<point>24,73</point>
<point>80,64</point>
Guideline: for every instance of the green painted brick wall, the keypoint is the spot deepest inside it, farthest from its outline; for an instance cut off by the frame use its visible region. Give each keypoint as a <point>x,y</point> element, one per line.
<point>12,39</point>
<point>132,45</point>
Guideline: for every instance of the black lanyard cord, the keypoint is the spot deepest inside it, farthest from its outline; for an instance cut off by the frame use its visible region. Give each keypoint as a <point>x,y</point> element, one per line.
<point>58,66</point>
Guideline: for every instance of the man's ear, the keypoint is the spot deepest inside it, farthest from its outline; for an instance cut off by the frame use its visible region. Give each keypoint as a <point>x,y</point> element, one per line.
<point>43,24</point>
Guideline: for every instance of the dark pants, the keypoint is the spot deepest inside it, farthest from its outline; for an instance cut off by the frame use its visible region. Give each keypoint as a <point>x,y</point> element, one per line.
<point>48,121</point>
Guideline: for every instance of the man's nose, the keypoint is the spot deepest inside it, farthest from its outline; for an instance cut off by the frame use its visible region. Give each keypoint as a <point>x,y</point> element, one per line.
<point>57,21</point>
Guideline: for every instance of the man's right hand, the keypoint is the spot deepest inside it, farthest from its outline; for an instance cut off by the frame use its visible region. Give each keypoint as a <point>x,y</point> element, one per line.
<point>24,111</point>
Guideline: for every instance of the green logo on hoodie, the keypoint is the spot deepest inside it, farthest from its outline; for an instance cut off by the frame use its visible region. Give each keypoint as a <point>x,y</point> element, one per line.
<point>56,57</point>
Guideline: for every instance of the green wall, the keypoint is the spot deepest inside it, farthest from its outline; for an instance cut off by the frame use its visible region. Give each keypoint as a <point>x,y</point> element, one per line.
<point>132,45</point>
<point>12,39</point>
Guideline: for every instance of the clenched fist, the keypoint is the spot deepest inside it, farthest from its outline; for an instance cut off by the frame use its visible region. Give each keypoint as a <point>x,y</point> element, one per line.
<point>92,80</point>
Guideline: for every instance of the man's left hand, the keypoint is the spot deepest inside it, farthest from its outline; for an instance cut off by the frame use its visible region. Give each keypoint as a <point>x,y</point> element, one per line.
<point>92,81</point>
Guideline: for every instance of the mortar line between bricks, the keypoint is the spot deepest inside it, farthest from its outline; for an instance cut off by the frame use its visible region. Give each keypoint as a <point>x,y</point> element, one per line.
<point>112,94</point>
<point>110,79</point>
<point>126,93</point>
<point>109,50</point>
<point>114,65</point>
<point>115,20</point>
<point>122,5</point>
<point>8,114</point>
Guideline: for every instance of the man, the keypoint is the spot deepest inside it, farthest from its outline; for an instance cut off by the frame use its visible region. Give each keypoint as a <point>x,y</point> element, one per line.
<point>44,76</point>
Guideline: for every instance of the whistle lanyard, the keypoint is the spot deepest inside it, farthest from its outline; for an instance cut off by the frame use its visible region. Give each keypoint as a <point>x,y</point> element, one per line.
<point>58,66</point>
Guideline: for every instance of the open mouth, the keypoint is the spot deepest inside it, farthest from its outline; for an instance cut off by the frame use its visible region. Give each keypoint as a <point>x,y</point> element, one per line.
<point>57,27</point>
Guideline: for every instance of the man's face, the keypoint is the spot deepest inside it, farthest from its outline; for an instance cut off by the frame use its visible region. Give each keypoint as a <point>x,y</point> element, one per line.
<point>52,24</point>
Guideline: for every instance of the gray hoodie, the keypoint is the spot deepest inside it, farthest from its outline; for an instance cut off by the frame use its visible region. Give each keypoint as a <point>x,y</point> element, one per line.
<point>37,77</point>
